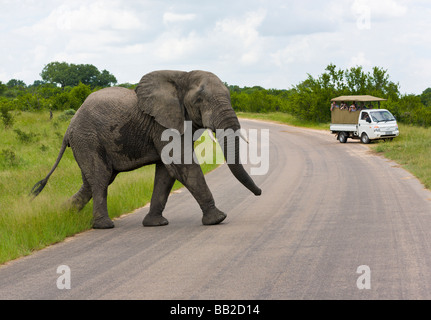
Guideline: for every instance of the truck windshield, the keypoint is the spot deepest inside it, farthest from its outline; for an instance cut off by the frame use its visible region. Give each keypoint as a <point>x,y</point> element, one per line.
<point>379,116</point>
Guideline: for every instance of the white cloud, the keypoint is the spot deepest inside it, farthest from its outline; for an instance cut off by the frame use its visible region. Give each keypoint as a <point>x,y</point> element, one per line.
<point>173,47</point>
<point>240,38</point>
<point>244,28</point>
<point>170,17</point>
<point>269,43</point>
<point>380,8</point>
<point>360,60</point>
<point>94,16</point>
<point>86,17</point>
<point>77,32</point>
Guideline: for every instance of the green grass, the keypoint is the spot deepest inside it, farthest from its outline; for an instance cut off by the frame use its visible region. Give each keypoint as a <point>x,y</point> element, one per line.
<point>28,150</point>
<point>412,149</point>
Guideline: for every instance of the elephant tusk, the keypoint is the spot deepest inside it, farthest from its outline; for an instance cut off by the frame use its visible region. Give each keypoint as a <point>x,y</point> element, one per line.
<point>243,137</point>
<point>211,134</point>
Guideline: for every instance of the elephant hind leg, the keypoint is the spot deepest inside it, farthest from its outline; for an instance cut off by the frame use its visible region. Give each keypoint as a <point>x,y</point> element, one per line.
<point>82,197</point>
<point>97,175</point>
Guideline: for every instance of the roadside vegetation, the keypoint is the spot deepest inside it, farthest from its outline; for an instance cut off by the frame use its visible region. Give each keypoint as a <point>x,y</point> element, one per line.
<point>412,150</point>
<point>34,118</point>
<point>310,99</point>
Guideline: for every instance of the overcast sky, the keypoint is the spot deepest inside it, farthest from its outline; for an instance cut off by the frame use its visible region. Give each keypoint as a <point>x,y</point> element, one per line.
<point>271,43</point>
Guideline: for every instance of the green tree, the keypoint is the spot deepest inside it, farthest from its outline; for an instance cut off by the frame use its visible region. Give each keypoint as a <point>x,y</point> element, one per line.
<point>105,79</point>
<point>16,83</point>
<point>58,73</point>
<point>357,81</point>
<point>309,100</point>
<point>85,73</point>
<point>71,97</point>
<point>426,97</point>
<point>64,74</point>
<point>78,95</point>
<point>3,88</point>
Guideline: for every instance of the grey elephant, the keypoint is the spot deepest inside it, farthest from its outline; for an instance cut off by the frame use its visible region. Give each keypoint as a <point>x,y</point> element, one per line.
<point>118,129</point>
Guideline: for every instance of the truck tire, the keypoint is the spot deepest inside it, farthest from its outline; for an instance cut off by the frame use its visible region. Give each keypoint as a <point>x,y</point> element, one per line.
<point>364,138</point>
<point>342,137</point>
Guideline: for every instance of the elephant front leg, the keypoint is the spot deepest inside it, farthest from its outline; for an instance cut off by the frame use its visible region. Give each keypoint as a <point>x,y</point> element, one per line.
<point>193,179</point>
<point>163,184</point>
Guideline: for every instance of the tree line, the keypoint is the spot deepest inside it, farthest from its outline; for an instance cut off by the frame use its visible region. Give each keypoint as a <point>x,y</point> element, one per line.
<point>65,86</point>
<point>310,99</point>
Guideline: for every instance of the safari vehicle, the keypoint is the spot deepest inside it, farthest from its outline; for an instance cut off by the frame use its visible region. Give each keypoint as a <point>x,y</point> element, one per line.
<point>366,123</point>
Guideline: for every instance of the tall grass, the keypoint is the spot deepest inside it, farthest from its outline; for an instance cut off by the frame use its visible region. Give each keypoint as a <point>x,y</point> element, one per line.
<point>412,150</point>
<point>27,152</point>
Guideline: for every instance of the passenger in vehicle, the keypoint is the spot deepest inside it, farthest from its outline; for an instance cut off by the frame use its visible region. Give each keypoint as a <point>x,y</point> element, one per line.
<point>352,107</point>
<point>343,106</point>
<point>334,106</point>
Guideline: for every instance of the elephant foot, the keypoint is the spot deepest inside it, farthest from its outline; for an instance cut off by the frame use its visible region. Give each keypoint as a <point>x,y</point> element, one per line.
<point>73,205</point>
<point>154,221</point>
<point>214,216</point>
<point>103,223</point>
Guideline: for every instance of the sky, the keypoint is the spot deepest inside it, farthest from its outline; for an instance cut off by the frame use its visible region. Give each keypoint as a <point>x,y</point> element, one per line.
<point>269,43</point>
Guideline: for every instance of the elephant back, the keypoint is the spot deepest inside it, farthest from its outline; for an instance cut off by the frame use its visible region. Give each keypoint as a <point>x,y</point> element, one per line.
<point>113,97</point>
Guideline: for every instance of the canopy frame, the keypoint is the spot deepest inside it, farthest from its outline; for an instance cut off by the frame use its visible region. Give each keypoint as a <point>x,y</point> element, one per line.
<point>359,98</point>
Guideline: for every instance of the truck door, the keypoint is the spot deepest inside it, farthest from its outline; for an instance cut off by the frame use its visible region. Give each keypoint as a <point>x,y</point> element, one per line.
<point>365,125</point>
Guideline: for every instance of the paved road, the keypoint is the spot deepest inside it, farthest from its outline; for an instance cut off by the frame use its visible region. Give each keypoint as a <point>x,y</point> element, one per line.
<point>326,209</point>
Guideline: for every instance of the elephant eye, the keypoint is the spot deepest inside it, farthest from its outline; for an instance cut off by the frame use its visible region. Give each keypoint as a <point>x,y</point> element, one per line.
<point>198,100</point>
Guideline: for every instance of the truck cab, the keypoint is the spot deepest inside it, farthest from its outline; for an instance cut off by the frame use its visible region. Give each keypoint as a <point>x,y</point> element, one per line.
<point>365,124</point>
<point>377,124</point>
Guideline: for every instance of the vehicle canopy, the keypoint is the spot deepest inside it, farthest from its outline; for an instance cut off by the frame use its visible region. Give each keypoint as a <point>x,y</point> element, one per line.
<point>347,117</point>
<point>363,98</point>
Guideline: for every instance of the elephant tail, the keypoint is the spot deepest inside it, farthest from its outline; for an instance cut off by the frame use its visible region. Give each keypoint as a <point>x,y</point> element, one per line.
<point>38,187</point>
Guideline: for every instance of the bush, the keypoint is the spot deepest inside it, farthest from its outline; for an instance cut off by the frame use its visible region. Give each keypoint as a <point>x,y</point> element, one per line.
<point>6,117</point>
<point>25,137</point>
<point>79,94</point>
<point>8,158</point>
<point>66,115</point>
<point>71,98</point>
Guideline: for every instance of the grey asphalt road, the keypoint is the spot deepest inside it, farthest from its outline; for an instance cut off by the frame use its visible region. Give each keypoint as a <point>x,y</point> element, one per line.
<point>333,218</point>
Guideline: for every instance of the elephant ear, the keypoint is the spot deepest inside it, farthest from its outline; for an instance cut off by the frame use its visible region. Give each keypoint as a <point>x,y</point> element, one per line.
<point>158,96</point>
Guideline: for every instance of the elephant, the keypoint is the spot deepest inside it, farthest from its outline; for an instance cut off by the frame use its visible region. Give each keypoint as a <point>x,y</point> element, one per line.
<point>118,130</point>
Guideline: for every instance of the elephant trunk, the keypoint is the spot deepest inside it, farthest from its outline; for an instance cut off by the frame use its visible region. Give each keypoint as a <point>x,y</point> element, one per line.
<point>230,143</point>
<point>238,170</point>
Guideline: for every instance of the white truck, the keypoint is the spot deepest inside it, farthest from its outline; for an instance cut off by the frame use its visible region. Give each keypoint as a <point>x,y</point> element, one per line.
<point>365,123</point>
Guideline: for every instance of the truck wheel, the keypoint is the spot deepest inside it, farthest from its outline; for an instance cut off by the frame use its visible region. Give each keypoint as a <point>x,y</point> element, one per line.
<point>365,139</point>
<point>342,137</point>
